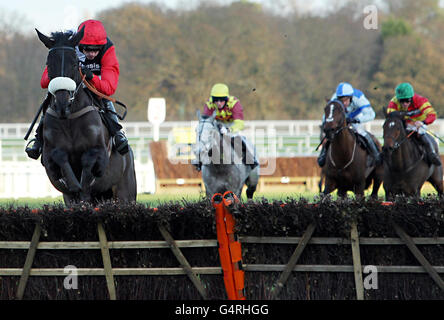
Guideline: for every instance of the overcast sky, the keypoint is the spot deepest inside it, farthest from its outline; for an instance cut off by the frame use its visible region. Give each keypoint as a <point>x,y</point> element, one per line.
<point>56,15</point>
<point>59,15</point>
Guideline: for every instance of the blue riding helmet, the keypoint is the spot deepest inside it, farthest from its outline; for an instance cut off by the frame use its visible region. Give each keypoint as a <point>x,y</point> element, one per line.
<point>344,89</point>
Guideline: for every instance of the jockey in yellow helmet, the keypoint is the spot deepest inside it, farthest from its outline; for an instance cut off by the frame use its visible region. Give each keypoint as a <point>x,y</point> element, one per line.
<point>229,112</point>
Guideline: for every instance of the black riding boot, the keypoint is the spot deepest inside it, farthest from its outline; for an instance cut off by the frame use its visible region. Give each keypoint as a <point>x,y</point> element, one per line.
<point>373,149</point>
<point>428,143</point>
<point>35,151</point>
<point>120,140</point>
<point>323,155</point>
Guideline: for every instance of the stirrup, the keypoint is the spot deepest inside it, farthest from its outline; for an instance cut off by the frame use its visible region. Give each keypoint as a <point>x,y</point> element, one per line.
<point>32,152</point>
<point>121,143</point>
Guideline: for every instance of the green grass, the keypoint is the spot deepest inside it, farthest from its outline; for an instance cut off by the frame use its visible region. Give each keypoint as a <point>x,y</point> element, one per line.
<point>153,200</point>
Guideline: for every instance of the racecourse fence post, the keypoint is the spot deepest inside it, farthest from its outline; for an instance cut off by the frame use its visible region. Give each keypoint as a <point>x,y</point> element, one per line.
<point>104,247</point>
<point>183,262</point>
<point>293,260</point>
<point>418,255</point>
<point>357,267</point>
<point>28,262</point>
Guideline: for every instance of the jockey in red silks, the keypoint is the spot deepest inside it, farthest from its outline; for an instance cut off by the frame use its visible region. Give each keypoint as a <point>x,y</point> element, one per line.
<point>230,114</point>
<point>98,61</point>
<point>420,113</point>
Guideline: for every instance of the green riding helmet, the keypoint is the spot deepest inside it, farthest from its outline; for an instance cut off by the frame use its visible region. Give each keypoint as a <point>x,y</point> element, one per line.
<point>404,91</point>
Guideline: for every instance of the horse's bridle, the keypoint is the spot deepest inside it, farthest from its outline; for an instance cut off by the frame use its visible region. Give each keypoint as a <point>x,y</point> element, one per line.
<point>72,94</point>
<point>337,131</point>
<point>396,144</point>
<point>340,126</point>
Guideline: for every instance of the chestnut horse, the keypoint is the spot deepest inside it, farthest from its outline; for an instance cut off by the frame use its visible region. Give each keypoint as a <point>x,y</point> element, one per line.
<point>346,166</point>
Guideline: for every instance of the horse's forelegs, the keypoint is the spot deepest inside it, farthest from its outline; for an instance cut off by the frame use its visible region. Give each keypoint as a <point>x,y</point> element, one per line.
<point>359,190</point>
<point>342,193</point>
<point>60,157</point>
<point>376,185</point>
<point>436,180</point>
<point>330,186</point>
<point>126,189</point>
<point>93,161</point>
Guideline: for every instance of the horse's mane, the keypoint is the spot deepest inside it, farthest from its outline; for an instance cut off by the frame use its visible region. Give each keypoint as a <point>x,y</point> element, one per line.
<point>60,37</point>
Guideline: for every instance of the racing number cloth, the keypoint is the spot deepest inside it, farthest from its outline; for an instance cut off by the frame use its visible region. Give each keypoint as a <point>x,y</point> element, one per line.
<point>230,251</point>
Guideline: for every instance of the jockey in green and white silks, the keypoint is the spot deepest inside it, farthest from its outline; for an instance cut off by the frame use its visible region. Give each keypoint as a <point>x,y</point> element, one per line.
<point>358,111</point>
<point>229,112</point>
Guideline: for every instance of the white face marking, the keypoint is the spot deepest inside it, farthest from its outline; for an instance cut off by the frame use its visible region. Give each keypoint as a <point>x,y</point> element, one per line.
<point>330,116</point>
<point>391,124</point>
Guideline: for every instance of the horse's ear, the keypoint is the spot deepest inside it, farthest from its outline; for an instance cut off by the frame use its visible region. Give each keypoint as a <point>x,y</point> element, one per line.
<point>48,42</point>
<point>75,40</point>
<point>326,99</point>
<point>384,111</point>
<point>213,116</point>
<point>198,114</point>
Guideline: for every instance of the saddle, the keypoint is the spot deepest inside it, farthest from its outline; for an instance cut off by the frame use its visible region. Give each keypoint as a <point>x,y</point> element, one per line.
<point>360,140</point>
<point>422,149</point>
<point>111,125</point>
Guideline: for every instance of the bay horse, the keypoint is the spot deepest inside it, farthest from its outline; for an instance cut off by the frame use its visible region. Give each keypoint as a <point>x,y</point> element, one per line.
<point>405,165</point>
<point>220,173</point>
<point>77,149</point>
<point>346,166</point>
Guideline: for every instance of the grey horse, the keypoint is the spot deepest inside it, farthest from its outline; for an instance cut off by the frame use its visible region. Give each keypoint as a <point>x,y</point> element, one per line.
<point>222,171</point>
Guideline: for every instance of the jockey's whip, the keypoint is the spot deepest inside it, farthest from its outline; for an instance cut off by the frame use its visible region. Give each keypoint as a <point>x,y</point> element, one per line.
<point>44,103</point>
<point>320,143</point>
<point>434,135</point>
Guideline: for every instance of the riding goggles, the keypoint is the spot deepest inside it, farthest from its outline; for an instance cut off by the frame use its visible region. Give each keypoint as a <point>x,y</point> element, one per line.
<point>85,47</point>
<point>215,99</point>
<point>405,100</point>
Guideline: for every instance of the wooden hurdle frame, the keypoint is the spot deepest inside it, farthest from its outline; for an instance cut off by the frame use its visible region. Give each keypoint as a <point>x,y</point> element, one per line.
<point>185,269</point>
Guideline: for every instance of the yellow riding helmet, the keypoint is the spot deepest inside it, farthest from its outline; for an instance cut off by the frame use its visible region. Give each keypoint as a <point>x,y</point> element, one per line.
<point>219,90</point>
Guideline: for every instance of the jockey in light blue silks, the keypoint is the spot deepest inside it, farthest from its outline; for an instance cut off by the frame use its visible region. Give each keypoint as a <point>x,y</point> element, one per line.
<point>358,111</point>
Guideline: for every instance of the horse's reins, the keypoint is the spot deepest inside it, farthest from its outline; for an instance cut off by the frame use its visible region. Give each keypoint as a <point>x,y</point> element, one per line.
<point>397,144</point>
<point>101,95</point>
<point>348,163</point>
